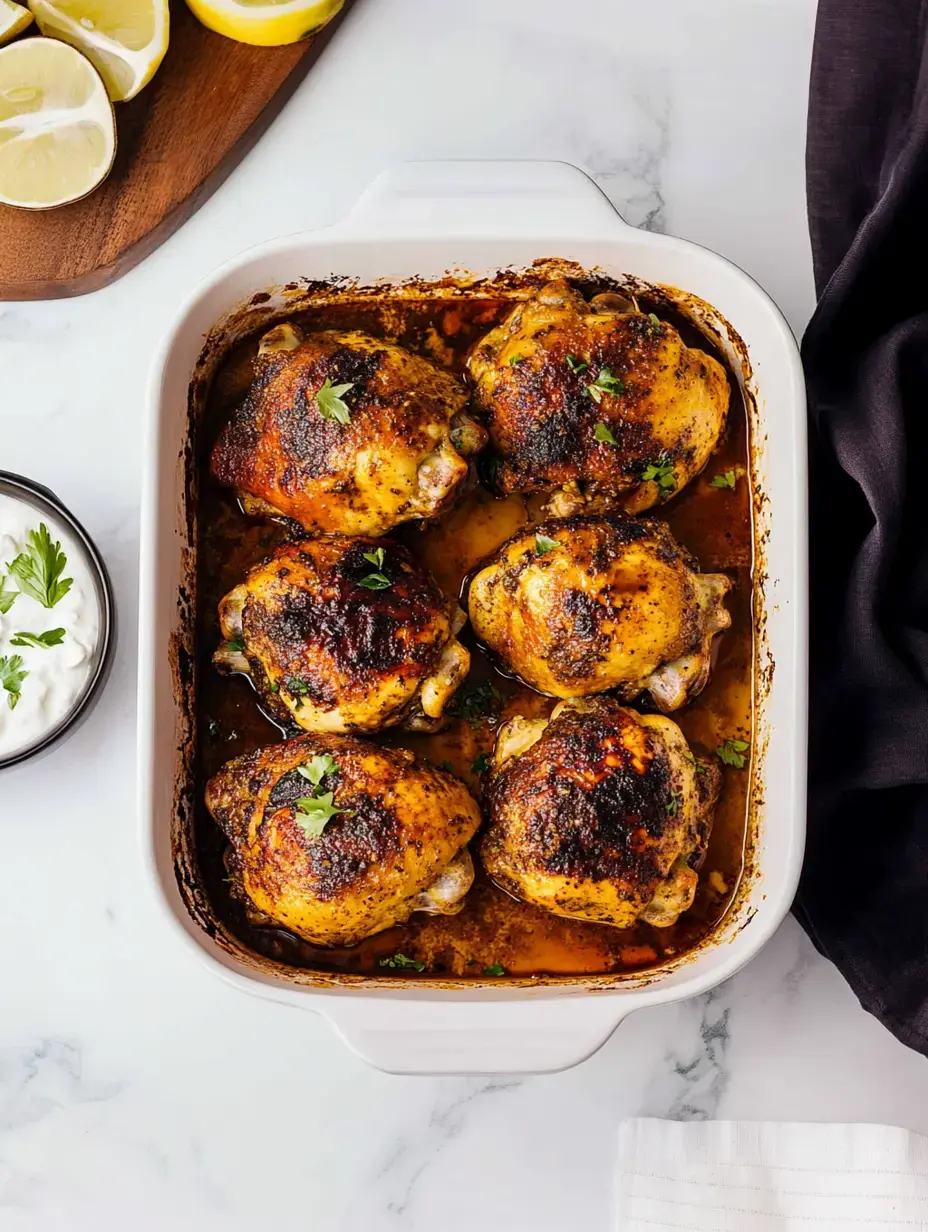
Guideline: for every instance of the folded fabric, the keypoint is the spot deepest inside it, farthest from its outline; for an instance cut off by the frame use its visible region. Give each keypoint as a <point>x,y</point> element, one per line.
<point>748,1176</point>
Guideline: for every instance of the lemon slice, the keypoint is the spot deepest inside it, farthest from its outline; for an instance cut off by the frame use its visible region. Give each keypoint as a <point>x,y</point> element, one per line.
<point>265,23</point>
<point>125,40</point>
<point>57,133</point>
<point>13,20</point>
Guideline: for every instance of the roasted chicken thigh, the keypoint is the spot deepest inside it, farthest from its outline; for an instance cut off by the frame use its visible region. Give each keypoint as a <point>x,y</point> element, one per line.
<point>599,813</point>
<point>336,839</point>
<point>345,432</point>
<point>583,604</point>
<point>344,634</point>
<point>596,399</point>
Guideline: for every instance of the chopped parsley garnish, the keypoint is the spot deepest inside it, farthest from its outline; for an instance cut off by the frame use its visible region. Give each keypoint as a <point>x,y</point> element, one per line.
<point>494,969</point>
<point>475,702</point>
<point>54,637</point>
<point>605,383</point>
<point>375,581</point>
<point>318,767</point>
<point>544,544</point>
<point>401,962</point>
<point>732,752</point>
<point>673,804</point>
<point>457,438</point>
<point>12,677</point>
<point>235,643</point>
<point>654,319</point>
<point>515,359</point>
<point>38,570</point>
<point>329,401</point>
<point>661,473</point>
<point>316,811</point>
<point>214,728</point>
<point>576,365</point>
<point>602,433</point>
<point>296,686</point>
<point>7,597</point>
<point>725,479</point>
<point>482,763</point>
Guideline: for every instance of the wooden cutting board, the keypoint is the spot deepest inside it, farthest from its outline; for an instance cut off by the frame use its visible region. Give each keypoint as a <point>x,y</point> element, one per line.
<point>177,141</point>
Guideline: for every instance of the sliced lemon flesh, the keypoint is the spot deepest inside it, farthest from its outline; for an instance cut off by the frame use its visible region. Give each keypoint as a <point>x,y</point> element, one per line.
<point>125,40</point>
<point>265,23</point>
<point>57,134</point>
<point>13,20</point>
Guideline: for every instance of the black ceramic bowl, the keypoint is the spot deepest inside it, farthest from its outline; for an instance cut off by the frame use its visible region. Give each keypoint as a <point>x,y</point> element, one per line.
<point>44,501</point>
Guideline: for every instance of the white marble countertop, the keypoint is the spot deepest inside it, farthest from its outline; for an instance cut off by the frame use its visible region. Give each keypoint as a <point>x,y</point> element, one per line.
<point>137,1091</point>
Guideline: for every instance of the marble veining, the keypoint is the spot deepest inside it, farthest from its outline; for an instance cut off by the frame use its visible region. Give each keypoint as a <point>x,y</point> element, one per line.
<point>138,1091</point>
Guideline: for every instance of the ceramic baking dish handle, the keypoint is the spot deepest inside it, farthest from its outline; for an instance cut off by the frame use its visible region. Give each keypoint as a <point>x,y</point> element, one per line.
<point>484,199</point>
<point>475,1037</point>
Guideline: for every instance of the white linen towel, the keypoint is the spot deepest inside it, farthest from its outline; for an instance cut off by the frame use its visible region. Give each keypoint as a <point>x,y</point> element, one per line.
<point>745,1176</point>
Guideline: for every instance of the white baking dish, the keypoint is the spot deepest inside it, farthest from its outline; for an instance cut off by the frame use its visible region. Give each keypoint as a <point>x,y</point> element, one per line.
<point>421,220</point>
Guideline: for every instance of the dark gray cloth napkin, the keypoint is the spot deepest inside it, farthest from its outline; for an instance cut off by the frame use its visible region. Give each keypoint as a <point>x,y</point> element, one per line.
<point>864,891</point>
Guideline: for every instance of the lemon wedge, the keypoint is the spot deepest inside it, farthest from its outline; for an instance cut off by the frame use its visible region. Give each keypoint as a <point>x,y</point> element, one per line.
<point>13,20</point>
<point>125,40</point>
<point>57,133</point>
<point>265,23</point>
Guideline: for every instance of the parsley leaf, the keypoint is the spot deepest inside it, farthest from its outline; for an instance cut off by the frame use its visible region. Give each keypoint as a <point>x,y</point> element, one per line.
<point>235,644</point>
<point>673,804</point>
<point>544,544</point>
<point>654,319</point>
<point>482,763</point>
<point>661,473</point>
<point>376,557</point>
<point>602,433</point>
<point>725,479</point>
<point>329,401</point>
<point>402,963</point>
<point>475,702</point>
<point>214,728</point>
<point>54,637</point>
<point>12,677</point>
<point>318,767</point>
<point>495,969</point>
<point>296,686</point>
<point>576,365</point>
<point>605,383</point>
<point>38,570</point>
<point>515,359</point>
<point>732,752</point>
<point>376,581</point>
<point>316,811</point>
<point>7,597</point>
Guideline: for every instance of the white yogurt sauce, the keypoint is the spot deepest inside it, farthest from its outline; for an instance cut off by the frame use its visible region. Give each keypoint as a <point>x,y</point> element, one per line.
<point>57,674</point>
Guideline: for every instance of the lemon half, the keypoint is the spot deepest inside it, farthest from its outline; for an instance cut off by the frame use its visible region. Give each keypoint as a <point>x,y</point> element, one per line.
<point>265,23</point>
<point>13,20</point>
<point>125,40</point>
<point>57,133</point>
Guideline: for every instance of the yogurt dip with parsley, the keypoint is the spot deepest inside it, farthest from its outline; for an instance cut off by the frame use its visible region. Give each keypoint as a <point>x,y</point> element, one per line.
<point>49,624</point>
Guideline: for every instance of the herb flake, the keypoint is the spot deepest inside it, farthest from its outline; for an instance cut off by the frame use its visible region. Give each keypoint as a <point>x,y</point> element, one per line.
<point>661,473</point>
<point>494,969</point>
<point>673,804</point>
<point>38,570</point>
<point>606,382</point>
<point>475,703</point>
<point>725,479</point>
<point>329,401</point>
<point>515,359</point>
<point>482,763</point>
<point>315,812</point>
<point>12,676</point>
<point>576,365</point>
<point>732,752</point>
<point>53,637</point>
<point>7,597</point>
<point>603,433</point>
<point>401,962</point>
<point>544,544</point>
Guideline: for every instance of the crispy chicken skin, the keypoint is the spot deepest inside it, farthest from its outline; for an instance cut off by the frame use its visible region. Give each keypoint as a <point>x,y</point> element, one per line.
<point>615,605</point>
<point>599,813</point>
<point>537,379</point>
<point>400,845</point>
<point>401,455</point>
<point>331,654</point>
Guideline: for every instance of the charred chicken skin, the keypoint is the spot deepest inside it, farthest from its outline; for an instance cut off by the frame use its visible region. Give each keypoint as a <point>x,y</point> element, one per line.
<point>599,813</point>
<point>336,839</point>
<point>345,432</point>
<point>583,604</point>
<point>344,634</point>
<point>597,400</point>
